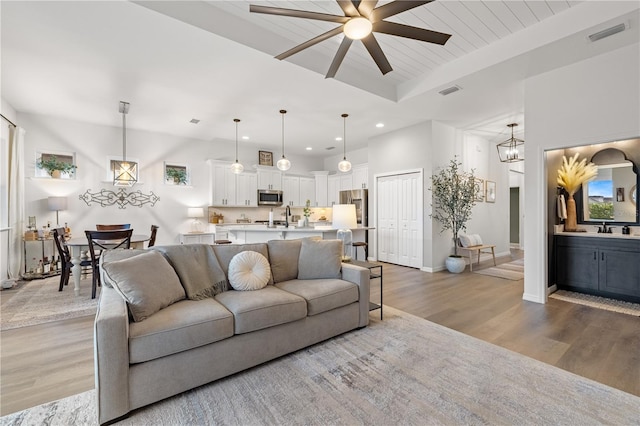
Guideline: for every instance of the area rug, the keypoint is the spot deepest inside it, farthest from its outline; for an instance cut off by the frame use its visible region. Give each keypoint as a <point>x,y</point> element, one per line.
<point>621,306</point>
<point>400,371</point>
<point>39,301</point>
<point>509,271</point>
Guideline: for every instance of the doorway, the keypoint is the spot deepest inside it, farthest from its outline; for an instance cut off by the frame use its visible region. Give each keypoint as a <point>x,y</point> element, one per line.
<point>514,216</point>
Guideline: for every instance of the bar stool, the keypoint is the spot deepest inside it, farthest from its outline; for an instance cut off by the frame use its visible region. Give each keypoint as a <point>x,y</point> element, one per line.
<point>222,238</point>
<point>357,244</point>
<point>222,242</point>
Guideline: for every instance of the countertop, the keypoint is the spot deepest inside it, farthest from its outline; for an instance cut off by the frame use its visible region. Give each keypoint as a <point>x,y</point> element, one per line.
<point>258,227</point>
<point>596,235</point>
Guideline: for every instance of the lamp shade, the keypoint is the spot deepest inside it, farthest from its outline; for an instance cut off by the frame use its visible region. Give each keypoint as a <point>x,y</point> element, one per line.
<point>57,203</point>
<point>344,216</point>
<point>195,212</point>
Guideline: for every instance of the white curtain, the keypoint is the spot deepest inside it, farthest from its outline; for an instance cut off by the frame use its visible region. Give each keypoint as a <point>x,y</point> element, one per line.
<point>16,201</point>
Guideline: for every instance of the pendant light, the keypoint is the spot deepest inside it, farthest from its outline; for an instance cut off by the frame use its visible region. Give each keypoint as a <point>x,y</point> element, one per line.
<point>511,150</point>
<point>124,173</point>
<point>236,167</point>
<point>283,164</point>
<point>344,165</point>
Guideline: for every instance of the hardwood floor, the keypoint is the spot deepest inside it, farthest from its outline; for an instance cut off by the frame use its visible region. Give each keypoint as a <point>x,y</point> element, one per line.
<point>51,361</point>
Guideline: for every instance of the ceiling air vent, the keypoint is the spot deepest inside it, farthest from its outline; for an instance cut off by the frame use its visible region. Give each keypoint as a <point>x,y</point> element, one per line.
<point>607,32</point>
<point>329,148</point>
<point>194,121</point>
<point>449,90</point>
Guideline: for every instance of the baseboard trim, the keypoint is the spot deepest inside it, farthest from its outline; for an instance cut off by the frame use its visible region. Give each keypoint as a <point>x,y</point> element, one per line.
<point>552,289</point>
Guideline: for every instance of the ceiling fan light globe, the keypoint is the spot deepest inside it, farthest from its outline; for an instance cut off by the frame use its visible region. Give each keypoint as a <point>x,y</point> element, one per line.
<point>283,164</point>
<point>357,28</point>
<point>344,165</point>
<point>237,167</point>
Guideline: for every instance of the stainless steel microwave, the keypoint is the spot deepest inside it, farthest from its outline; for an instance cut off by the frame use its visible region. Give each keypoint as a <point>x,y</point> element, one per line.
<point>269,197</point>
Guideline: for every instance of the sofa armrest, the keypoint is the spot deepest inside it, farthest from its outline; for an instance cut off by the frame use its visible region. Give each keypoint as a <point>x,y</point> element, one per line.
<point>111,355</point>
<point>359,276</point>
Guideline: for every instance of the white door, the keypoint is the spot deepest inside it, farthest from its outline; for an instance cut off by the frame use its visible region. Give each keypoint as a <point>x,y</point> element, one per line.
<point>387,220</point>
<point>409,207</point>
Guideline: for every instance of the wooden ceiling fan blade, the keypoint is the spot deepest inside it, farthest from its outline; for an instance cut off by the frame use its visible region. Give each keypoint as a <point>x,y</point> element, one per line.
<point>337,60</point>
<point>394,8</point>
<point>377,54</point>
<point>348,8</point>
<point>407,31</point>
<point>298,13</point>
<point>366,7</point>
<point>310,43</point>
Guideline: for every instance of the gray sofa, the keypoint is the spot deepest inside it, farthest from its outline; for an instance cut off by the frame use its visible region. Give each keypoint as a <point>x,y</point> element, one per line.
<point>147,349</point>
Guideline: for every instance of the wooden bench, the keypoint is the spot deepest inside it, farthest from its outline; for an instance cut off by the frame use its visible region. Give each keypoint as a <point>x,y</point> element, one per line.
<point>478,249</point>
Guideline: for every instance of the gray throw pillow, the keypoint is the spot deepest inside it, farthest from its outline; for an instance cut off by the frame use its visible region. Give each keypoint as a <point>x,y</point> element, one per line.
<point>146,282</point>
<point>114,255</point>
<point>284,255</point>
<point>320,259</point>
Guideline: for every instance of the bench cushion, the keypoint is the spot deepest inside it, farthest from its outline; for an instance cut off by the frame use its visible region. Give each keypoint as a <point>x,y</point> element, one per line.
<point>322,295</point>
<point>182,326</point>
<point>258,309</point>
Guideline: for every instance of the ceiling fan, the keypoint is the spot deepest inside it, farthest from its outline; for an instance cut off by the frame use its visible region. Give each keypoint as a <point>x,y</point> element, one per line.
<point>361,19</point>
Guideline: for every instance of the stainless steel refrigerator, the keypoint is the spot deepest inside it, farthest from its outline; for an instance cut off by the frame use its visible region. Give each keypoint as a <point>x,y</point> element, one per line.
<point>359,197</point>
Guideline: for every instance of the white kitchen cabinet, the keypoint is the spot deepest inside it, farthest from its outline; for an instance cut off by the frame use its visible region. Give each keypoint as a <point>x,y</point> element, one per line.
<point>269,179</point>
<point>322,182</point>
<point>333,190</point>
<point>346,182</point>
<point>307,191</point>
<point>247,189</point>
<point>360,176</point>
<point>223,184</point>
<point>291,191</point>
<point>203,238</point>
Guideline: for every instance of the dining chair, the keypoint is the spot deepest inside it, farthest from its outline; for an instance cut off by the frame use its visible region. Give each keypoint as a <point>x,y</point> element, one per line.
<point>152,238</point>
<point>65,258</point>
<point>104,240</point>
<point>113,227</point>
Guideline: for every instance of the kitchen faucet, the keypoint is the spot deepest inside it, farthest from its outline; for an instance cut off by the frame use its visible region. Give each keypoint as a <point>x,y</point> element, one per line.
<point>287,213</point>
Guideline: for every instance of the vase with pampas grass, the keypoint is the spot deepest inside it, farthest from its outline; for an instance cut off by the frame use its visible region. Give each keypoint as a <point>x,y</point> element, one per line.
<point>571,176</point>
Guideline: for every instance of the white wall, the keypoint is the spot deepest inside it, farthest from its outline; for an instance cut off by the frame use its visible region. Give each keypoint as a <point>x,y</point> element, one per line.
<point>93,144</point>
<point>358,156</point>
<point>592,101</point>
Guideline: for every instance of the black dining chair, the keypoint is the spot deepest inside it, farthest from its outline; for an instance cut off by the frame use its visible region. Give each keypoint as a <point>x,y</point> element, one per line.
<point>104,240</point>
<point>113,227</point>
<point>65,258</point>
<point>152,239</point>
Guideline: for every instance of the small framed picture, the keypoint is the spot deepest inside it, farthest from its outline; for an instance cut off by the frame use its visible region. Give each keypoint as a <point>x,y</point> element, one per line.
<point>620,195</point>
<point>265,158</point>
<point>479,187</point>
<point>490,191</point>
<point>176,174</point>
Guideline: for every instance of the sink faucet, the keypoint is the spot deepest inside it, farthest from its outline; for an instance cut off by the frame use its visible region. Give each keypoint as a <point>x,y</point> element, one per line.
<point>604,229</point>
<point>287,213</point>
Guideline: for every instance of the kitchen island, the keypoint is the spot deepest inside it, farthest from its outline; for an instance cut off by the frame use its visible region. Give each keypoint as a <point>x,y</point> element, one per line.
<point>259,233</point>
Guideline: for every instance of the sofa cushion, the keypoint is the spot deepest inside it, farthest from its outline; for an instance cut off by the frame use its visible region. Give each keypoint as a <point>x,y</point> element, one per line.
<point>114,255</point>
<point>184,325</point>
<point>283,256</point>
<point>225,252</point>
<point>198,269</point>
<point>269,306</point>
<point>323,294</point>
<point>249,270</point>
<point>147,282</point>
<point>320,259</point>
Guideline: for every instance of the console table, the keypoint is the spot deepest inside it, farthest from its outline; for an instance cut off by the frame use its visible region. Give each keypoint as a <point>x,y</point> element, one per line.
<point>375,272</point>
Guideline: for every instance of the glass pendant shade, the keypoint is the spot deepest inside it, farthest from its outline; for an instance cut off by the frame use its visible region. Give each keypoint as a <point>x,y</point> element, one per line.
<point>237,167</point>
<point>283,164</point>
<point>357,28</point>
<point>511,150</point>
<point>125,173</point>
<point>344,165</point>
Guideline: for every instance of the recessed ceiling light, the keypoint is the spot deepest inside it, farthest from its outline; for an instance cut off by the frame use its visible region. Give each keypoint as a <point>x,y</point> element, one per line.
<point>339,138</point>
<point>194,121</point>
<point>245,137</point>
<point>379,125</point>
<point>309,148</point>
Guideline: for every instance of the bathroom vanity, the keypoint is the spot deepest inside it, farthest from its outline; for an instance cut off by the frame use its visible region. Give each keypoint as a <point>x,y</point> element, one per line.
<point>605,265</point>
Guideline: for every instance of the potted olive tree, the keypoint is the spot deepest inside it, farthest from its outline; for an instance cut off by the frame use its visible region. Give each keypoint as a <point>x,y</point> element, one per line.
<point>453,200</point>
<point>55,167</point>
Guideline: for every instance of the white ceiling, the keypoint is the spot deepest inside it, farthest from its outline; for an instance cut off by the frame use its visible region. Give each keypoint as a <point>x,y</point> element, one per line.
<point>178,60</point>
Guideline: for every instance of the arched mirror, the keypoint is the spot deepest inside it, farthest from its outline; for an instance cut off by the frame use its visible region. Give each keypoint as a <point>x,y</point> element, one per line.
<point>611,196</point>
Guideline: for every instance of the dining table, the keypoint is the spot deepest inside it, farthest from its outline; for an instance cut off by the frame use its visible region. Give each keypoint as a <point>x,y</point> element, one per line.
<point>79,245</point>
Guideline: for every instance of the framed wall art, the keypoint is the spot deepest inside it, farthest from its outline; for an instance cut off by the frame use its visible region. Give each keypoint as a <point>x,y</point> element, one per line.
<point>479,187</point>
<point>176,174</point>
<point>265,158</point>
<point>490,187</point>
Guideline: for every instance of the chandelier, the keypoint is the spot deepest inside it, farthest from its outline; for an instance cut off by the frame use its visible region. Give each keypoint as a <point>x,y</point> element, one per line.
<point>511,150</point>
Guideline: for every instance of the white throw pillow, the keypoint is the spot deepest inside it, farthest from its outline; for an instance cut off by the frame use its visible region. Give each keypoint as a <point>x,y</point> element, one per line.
<point>249,270</point>
<point>465,240</point>
<point>477,241</point>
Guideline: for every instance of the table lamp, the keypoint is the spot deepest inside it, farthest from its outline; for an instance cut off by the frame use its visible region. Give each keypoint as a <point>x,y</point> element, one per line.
<point>344,218</point>
<point>56,204</point>
<point>196,213</point>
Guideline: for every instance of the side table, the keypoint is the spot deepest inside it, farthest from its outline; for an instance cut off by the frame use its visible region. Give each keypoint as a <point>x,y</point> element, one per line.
<point>375,272</point>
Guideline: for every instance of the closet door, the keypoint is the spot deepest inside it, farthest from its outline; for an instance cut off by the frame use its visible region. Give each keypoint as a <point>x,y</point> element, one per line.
<point>408,220</point>
<point>388,219</point>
